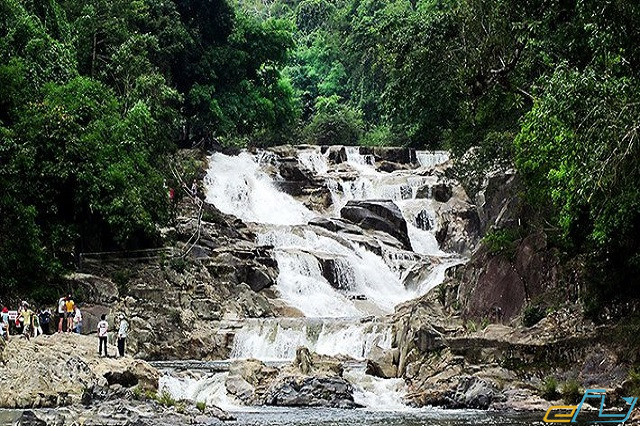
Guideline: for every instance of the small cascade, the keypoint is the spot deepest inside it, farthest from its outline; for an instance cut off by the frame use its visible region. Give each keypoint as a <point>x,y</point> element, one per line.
<point>308,261</point>
<point>370,391</point>
<point>430,159</point>
<point>278,339</point>
<point>207,388</point>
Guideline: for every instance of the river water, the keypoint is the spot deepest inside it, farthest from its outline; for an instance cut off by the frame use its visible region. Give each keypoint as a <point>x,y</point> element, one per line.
<point>335,417</point>
<point>425,417</point>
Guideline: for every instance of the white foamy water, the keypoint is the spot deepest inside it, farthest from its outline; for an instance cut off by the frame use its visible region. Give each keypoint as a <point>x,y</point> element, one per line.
<point>236,185</point>
<point>278,339</point>
<point>430,159</point>
<point>377,393</point>
<point>209,389</point>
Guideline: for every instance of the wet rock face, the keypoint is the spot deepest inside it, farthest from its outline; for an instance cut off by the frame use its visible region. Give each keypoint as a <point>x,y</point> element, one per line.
<point>310,381</point>
<point>124,410</point>
<point>500,285</point>
<point>311,392</point>
<point>380,215</point>
<point>458,226</point>
<point>498,201</point>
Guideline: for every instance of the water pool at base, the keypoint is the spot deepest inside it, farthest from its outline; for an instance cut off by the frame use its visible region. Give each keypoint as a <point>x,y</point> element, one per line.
<point>425,417</point>
<point>267,416</point>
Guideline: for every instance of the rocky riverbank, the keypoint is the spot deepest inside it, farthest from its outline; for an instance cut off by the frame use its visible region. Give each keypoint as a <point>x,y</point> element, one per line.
<point>60,380</point>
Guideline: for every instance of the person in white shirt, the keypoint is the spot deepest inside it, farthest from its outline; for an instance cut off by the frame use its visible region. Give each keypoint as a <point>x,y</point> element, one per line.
<point>123,330</point>
<point>103,334</point>
<point>61,312</point>
<point>77,320</point>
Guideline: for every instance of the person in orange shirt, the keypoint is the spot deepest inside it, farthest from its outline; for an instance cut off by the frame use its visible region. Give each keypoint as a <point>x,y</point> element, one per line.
<point>70,308</point>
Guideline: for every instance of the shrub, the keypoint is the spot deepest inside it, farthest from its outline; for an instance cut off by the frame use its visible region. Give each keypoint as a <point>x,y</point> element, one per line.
<point>531,315</point>
<point>571,392</point>
<point>122,277</point>
<point>334,123</point>
<point>178,264</point>
<point>549,389</point>
<point>166,399</point>
<point>202,406</point>
<point>502,242</point>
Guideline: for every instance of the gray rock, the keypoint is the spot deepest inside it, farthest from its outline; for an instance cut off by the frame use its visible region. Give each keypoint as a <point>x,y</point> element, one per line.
<point>442,192</point>
<point>29,418</point>
<point>472,392</point>
<point>294,391</point>
<point>381,215</point>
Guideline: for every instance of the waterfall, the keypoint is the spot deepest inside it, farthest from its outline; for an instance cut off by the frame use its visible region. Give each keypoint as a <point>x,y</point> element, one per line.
<point>237,186</point>
<point>333,278</point>
<point>278,339</point>
<point>207,388</point>
<point>430,159</point>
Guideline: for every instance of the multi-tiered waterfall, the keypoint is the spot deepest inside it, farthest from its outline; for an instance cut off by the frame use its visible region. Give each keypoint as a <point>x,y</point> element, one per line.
<point>340,313</point>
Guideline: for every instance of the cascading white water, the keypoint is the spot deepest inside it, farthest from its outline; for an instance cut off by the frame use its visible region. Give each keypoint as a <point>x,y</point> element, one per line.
<point>207,388</point>
<point>432,158</point>
<point>278,339</point>
<point>236,185</point>
<point>330,277</point>
<point>302,284</point>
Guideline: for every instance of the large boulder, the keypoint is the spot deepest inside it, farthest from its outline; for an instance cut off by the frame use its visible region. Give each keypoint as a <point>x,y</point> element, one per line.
<point>294,391</point>
<point>500,284</point>
<point>458,227</point>
<point>92,288</point>
<point>472,392</point>
<point>381,215</point>
<point>248,381</point>
<point>394,154</point>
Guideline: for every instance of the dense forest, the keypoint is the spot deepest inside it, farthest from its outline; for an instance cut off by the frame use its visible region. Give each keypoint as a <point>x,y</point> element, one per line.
<point>96,95</point>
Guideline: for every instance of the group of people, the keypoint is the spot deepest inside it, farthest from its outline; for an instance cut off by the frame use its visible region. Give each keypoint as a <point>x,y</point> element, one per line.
<point>103,335</point>
<point>69,315</point>
<point>24,321</point>
<point>29,323</point>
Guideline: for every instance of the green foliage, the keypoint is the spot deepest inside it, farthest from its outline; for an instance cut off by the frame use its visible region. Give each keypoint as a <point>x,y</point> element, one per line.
<point>122,278</point>
<point>503,242</point>
<point>201,406</point>
<point>334,123</point>
<point>571,392</point>
<point>473,326</point>
<point>549,390</point>
<point>137,393</point>
<point>166,399</point>
<point>151,395</point>
<point>94,96</point>
<point>178,264</point>
<point>532,314</point>
<point>634,381</point>
<point>578,154</point>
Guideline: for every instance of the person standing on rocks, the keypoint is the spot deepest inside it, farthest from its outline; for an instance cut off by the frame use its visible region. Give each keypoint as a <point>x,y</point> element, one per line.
<point>35,321</point>
<point>62,310</point>
<point>69,312</point>
<point>77,320</point>
<point>45,321</point>
<point>27,317</point>
<point>5,322</point>
<point>123,330</point>
<point>103,335</point>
